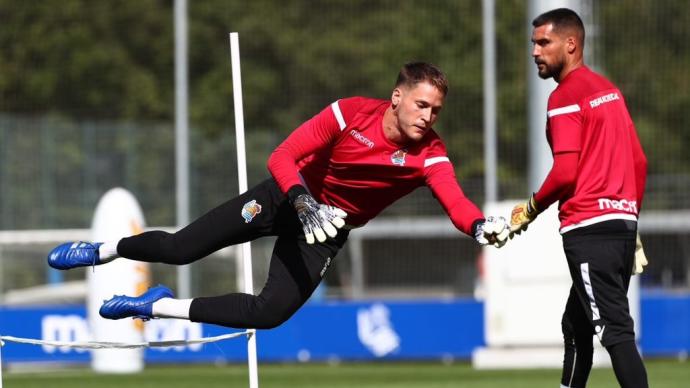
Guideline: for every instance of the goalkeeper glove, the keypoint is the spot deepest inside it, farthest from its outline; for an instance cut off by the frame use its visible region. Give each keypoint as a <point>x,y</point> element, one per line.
<point>640,257</point>
<point>492,231</point>
<point>315,217</point>
<point>522,215</point>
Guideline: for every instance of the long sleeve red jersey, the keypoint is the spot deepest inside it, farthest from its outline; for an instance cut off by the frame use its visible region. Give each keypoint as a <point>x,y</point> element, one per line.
<point>344,159</point>
<point>587,115</point>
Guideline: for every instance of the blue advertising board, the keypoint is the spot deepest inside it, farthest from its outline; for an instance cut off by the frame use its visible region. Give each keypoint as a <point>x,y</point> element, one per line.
<point>665,324</point>
<point>412,330</point>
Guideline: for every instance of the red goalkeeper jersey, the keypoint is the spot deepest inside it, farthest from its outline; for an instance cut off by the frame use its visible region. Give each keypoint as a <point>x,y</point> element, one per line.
<point>587,114</point>
<point>344,159</point>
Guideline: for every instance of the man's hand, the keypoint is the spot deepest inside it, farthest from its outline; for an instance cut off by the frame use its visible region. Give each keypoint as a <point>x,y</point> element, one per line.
<point>494,231</point>
<point>522,215</point>
<point>640,257</point>
<point>317,218</point>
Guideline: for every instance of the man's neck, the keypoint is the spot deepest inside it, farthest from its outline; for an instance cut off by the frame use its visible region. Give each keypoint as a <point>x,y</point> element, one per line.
<point>391,128</point>
<point>569,69</point>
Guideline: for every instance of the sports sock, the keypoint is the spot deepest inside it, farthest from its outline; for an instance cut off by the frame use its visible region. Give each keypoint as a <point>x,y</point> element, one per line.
<point>108,251</point>
<point>628,366</point>
<point>171,308</point>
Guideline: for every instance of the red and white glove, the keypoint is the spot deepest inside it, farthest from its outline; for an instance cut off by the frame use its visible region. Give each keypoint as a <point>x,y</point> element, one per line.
<point>493,230</point>
<point>316,218</point>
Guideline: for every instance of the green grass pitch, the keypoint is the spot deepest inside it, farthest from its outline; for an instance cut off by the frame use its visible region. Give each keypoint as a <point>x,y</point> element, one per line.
<point>662,374</point>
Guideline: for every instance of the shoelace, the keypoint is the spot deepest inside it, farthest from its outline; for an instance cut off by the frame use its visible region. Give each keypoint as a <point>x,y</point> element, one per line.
<point>93,262</point>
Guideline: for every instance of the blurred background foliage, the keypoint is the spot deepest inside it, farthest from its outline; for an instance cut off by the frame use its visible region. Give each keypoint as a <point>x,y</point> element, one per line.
<point>87,92</point>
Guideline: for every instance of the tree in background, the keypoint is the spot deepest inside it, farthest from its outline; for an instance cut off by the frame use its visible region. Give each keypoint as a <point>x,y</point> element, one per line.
<point>92,84</point>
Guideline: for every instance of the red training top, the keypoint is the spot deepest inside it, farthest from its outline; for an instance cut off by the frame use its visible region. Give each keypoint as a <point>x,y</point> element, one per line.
<point>344,159</point>
<point>591,133</point>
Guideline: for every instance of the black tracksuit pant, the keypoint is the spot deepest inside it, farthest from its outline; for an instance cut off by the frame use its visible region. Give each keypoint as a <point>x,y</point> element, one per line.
<point>296,268</point>
<point>600,258</point>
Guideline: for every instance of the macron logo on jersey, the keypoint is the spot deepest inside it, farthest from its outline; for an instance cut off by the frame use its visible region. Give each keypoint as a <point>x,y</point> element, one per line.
<point>342,124</point>
<point>362,139</point>
<point>624,205</point>
<point>604,99</point>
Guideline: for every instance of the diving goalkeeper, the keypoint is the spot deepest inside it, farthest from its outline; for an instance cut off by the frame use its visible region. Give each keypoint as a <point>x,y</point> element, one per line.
<point>335,172</point>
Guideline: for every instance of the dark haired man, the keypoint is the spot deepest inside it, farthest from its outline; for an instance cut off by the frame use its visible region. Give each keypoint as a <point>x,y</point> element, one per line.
<point>352,160</point>
<point>598,175</point>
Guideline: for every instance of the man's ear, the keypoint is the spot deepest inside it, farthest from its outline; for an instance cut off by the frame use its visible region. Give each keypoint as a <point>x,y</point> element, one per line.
<point>396,96</point>
<point>571,44</point>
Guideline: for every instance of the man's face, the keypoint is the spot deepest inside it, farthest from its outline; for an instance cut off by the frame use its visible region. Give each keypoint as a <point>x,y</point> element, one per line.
<point>417,109</point>
<point>549,51</point>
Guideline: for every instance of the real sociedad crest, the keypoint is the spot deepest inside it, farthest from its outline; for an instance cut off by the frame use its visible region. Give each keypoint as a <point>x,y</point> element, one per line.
<point>250,210</point>
<point>398,157</point>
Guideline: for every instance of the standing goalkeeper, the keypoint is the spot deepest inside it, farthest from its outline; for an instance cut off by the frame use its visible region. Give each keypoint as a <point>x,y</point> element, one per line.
<point>347,163</point>
<point>598,175</point>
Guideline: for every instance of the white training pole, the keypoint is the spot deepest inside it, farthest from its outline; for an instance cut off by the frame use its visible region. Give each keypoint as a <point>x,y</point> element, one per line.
<point>182,138</point>
<point>490,117</point>
<point>242,178</point>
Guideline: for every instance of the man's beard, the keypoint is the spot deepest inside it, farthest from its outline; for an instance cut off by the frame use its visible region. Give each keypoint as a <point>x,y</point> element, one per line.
<point>550,70</point>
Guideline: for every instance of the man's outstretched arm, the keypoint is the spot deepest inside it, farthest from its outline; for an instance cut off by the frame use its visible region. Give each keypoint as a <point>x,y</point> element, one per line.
<point>463,213</point>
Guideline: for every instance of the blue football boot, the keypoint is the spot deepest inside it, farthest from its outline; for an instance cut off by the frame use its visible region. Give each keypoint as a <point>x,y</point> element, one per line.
<point>74,254</point>
<point>121,306</point>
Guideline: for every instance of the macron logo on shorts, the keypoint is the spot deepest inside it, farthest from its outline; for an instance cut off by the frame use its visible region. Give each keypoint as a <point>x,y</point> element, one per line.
<point>325,266</point>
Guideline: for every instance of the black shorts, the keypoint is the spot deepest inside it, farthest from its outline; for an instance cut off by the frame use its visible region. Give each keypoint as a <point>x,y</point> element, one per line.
<point>601,258</point>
